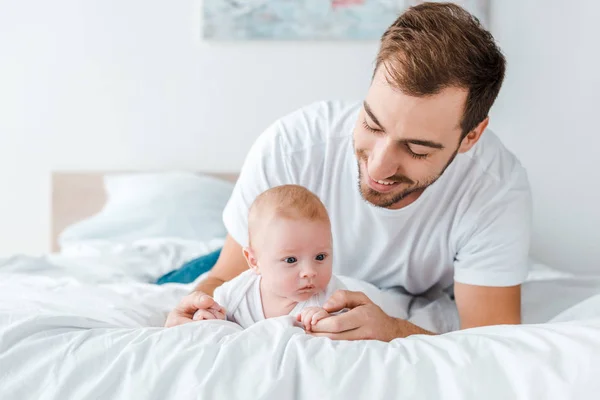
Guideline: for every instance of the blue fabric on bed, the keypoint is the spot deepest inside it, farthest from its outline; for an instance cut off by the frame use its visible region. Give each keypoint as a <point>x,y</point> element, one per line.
<point>189,271</point>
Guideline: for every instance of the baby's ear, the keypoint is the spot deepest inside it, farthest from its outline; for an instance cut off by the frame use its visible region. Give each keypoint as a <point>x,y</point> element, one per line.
<point>251,259</point>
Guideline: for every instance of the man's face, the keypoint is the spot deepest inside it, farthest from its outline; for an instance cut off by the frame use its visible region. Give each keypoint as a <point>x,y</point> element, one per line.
<point>403,143</point>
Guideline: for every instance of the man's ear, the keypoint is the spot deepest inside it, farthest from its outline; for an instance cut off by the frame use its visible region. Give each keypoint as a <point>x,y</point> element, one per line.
<point>473,136</point>
<point>251,259</point>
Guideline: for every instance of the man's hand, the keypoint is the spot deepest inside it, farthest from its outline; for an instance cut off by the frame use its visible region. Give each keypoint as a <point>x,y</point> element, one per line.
<point>194,307</point>
<point>365,320</point>
<point>310,316</point>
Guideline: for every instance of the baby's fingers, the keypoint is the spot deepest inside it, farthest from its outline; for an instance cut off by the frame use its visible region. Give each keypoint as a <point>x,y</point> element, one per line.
<point>218,314</point>
<point>217,307</point>
<point>203,314</point>
<point>319,315</point>
<point>307,318</point>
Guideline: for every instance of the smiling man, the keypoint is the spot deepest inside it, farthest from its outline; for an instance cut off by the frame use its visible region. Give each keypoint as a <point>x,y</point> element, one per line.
<point>420,194</point>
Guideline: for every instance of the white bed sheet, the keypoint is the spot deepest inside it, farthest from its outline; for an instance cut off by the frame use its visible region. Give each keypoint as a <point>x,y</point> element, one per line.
<point>101,261</point>
<point>70,334</point>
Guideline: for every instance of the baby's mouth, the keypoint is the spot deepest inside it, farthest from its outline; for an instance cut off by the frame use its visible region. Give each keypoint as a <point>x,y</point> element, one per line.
<point>307,288</point>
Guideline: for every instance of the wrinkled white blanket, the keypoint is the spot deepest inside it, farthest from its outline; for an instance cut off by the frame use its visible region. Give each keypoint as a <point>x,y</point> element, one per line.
<point>63,337</point>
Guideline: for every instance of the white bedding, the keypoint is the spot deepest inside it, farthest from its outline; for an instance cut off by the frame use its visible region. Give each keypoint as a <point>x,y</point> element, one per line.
<point>76,327</point>
<point>143,260</point>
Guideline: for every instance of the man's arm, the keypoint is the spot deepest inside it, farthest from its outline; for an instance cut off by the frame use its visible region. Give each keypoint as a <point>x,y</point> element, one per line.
<point>477,306</point>
<point>230,264</point>
<point>486,305</point>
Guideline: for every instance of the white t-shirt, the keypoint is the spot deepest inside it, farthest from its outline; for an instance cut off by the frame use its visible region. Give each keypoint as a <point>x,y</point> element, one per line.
<point>471,226</point>
<point>242,301</point>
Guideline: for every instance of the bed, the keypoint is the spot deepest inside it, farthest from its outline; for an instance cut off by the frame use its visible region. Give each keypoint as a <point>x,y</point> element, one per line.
<point>86,320</point>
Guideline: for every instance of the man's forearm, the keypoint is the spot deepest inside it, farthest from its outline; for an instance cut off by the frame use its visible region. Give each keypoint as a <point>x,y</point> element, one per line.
<point>405,328</point>
<point>209,285</point>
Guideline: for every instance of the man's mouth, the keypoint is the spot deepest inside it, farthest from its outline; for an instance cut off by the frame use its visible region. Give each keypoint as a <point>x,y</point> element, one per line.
<point>380,186</point>
<point>384,182</point>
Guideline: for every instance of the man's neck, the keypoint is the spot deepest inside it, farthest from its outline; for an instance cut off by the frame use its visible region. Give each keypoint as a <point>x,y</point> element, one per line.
<point>275,306</point>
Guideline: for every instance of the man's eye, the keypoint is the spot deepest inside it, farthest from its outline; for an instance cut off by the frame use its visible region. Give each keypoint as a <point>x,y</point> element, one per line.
<point>290,260</point>
<point>369,128</point>
<point>321,257</point>
<point>414,154</point>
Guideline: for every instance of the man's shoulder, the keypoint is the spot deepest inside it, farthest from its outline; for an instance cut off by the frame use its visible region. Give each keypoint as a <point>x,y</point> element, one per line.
<point>315,124</point>
<point>323,112</point>
<point>491,162</point>
<point>490,179</point>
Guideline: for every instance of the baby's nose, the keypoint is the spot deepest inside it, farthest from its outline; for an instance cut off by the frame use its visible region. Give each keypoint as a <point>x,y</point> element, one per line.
<point>309,271</point>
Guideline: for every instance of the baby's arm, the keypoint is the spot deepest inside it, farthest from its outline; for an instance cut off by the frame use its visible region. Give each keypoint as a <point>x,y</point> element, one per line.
<point>310,316</point>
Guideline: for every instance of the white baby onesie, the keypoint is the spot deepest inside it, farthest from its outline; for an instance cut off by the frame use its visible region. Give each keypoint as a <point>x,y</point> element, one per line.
<point>241,298</point>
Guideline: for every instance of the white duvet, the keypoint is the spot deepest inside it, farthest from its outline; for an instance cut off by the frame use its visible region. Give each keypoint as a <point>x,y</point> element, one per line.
<point>66,335</point>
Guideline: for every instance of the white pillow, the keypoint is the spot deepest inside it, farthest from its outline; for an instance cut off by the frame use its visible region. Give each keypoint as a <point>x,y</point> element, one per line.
<point>155,205</point>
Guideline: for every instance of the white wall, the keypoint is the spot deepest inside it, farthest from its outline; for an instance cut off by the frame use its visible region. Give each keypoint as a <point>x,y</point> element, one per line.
<point>113,84</point>
<point>129,85</point>
<point>547,113</point>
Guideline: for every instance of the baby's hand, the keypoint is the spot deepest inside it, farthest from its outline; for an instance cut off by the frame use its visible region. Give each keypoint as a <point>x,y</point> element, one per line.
<point>310,316</point>
<point>213,312</point>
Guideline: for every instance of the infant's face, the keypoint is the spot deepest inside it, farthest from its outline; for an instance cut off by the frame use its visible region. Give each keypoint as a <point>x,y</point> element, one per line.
<point>294,257</point>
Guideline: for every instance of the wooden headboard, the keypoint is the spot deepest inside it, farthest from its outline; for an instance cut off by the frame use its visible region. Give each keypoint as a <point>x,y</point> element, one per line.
<point>79,195</point>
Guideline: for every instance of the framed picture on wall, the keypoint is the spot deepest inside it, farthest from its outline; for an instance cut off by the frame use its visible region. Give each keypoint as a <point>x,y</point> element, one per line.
<point>309,19</point>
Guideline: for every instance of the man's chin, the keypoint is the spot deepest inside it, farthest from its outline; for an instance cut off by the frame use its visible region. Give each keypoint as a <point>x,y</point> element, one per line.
<point>388,200</point>
<point>377,199</point>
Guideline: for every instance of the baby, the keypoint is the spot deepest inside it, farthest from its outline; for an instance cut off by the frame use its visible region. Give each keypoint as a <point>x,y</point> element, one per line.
<point>290,258</point>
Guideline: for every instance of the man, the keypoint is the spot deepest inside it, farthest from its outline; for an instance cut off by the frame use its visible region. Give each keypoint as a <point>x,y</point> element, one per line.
<point>418,195</point>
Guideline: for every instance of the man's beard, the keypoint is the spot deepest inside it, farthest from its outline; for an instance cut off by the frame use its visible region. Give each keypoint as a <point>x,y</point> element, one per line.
<point>387,200</point>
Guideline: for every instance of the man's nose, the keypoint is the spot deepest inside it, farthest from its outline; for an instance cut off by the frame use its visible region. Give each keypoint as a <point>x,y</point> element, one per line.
<point>382,163</point>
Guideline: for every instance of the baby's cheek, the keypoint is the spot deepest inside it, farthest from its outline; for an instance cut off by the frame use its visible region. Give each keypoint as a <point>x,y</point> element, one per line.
<point>288,282</point>
<point>324,280</point>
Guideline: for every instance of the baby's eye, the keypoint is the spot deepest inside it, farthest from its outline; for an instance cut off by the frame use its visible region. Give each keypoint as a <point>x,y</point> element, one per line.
<point>290,260</point>
<point>321,257</point>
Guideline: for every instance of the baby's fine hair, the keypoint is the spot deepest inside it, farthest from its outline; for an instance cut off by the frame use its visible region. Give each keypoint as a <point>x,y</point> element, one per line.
<point>286,201</point>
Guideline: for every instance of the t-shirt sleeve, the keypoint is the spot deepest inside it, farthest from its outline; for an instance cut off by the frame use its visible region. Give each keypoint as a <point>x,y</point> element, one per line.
<point>263,168</point>
<point>231,293</point>
<point>222,295</point>
<point>495,250</point>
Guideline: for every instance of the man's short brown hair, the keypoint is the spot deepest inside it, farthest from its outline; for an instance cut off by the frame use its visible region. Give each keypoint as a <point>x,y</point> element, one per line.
<point>433,46</point>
